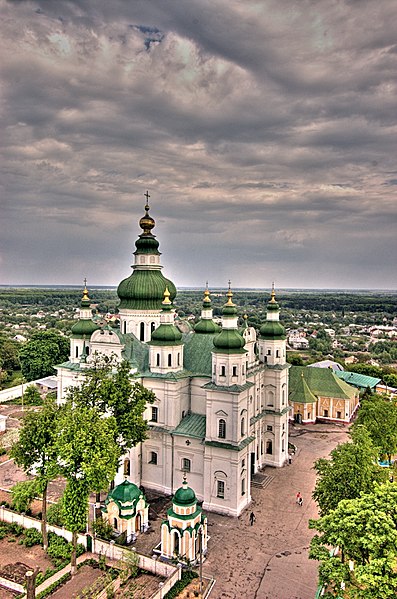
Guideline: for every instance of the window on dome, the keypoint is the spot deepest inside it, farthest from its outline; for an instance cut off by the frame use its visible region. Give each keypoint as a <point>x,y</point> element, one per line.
<point>152,326</point>
<point>179,359</point>
<point>186,465</point>
<point>242,427</point>
<point>222,429</point>
<point>277,353</point>
<point>142,331</point>
<point>269,352</point>
<point>87,349</point>
<point>223,370</point>
<point>169,359</point>
<point>152,457</point>
<point>158,360</point>
<point>125,327</point>
<point>152,259</point>
<point>234,370</point>
<point>155,414</point>
<point>77,352</point>
<point>220,489</point>
<point>115,524</point>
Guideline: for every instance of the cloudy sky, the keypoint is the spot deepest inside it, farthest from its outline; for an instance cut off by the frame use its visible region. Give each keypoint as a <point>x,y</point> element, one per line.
<point>265,132</point>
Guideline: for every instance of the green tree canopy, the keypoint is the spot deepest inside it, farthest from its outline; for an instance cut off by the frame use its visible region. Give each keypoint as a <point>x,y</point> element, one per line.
<point>41,353</point>
<point>108,388</point>
<point>379,416</point>
<point>365,531</point>
<point>35,451</point>
<point>87,455</point>
<point>351,470</point>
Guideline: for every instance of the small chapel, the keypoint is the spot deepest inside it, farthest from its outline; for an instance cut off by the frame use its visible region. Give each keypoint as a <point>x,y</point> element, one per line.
<point>221,411</point>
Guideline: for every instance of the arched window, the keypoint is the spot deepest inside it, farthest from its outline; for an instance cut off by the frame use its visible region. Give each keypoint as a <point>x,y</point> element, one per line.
<point>242,426</point>
<point>234,370</point>
<point>169,359</point>
<point>77,351</point>
<point>142,331</point>
<point>220,489</point>
<point>127,467</point>
<point>223,370</point>
<point>179,359</point>
<point>158,360</point>
<point>87,350</point>
<point>152,326</point>
<point>155,414</point>
<point>222,429</point>
<point>186,465</point>
<point>269,447</point>
<point>277,353</point>
<point>125,327</point>
<point>152,457</point>
<point>115,524</point>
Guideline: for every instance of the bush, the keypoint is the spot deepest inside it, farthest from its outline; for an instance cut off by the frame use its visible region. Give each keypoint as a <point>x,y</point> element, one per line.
<point>187,576</point>
<point>54,586</point>
<point>32,537</point>
<point>54,514</point>
<point>16,529</point>
<point>60,550</point>
<point>103,529</point>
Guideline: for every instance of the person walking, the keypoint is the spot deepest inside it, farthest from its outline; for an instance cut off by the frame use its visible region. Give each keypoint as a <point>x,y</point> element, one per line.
<point>298,497</point>
<point>252,518</point>
<point>300,501</point>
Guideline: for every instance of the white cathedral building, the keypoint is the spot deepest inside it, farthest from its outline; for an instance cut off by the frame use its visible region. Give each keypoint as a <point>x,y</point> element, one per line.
<point>221,408</point>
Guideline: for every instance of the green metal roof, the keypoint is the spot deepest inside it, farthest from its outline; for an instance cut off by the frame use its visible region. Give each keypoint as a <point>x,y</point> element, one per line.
<point>230,389</point>
<point>362,381</point>
<point>321,382</point>
<point>144,290</point>
<point>193,425</point>
<point>232,446</point>
<point>197,353</point>
<point>301,392</point>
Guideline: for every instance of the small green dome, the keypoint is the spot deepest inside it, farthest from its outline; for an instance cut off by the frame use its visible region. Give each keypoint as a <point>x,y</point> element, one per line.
<point>126,492</point>
<point>84,328</point>
<point>184,496</point>
<point>144,290</point>
<point>229,341</point>
<point>206,325</point>
<point>166,334</point>
<point>272,329</point>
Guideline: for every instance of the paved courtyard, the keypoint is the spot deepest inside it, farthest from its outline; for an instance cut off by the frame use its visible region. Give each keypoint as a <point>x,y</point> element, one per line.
<point>269,560</point>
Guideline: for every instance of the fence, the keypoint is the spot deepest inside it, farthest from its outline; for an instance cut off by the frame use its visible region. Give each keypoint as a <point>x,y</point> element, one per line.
<point>13,586</point>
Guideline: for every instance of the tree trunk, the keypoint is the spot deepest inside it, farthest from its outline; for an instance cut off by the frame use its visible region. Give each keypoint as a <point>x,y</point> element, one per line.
<point>44,519</point>
<point>73,558</point>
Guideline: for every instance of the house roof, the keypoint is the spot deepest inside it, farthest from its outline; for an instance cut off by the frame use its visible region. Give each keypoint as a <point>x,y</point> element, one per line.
<point>362,381</point>
<point>321,382</point>
<point>192,425</point>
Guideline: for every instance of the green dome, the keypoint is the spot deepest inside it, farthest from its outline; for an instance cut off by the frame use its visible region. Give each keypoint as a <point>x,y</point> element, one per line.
<point>144,290</point>
<point>84,328</point>
<point>126,492</point>
<point>184,496</point>
<point>166,334</point>
<point>229,341</point>
<point>206,325</point>
<point>272,329</point>
<point>147,244</point>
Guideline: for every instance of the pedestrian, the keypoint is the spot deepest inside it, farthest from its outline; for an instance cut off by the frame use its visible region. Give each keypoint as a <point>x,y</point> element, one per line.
<point>252,518</point>
<point>300,501</point>
<point>298,497</point>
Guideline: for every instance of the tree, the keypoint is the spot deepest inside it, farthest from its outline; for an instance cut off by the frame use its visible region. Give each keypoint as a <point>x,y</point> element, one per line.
<point>35,452</point>
<point>108,388</point>
<point>43,350</point>
<point>87,455</point>
<point>31,396</point>
<point>352,470</point>
<point>379,416</point>
<point>23,493</point>
<point>365,531</point>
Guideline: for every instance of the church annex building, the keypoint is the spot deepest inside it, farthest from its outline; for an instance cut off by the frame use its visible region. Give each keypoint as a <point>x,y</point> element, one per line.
<point>221,411</point>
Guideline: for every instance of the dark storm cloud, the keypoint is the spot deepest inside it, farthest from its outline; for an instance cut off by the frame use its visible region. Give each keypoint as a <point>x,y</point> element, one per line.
<point>265,133</point>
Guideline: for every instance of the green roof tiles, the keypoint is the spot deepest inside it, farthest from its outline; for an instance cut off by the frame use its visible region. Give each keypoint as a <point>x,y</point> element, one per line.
<point>230,389</point>
<point>193,425</point>
<point>144,290</point>
<point>197,353</point>
<point>321,382</point>
<point>301,392</point>
<point>361,381</point>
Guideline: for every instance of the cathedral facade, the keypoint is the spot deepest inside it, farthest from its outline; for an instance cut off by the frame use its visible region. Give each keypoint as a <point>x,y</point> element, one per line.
<point>221,408</point>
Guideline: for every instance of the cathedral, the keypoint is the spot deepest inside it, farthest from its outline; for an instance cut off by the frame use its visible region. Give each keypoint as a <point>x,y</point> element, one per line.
<point>221,410</point>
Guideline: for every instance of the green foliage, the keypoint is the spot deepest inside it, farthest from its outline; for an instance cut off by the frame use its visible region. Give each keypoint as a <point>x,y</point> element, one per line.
<point>23,493</point>
<point>41,352</point>
<point>108,388</point>
<point>187,576</point>
<point>365,530</point>
<point>54,514</point>
<point>9,354</point>
<point>32,397</point>
<point>60,550</point>
<point>351,470</point>
<point>32,537</point>
<point>103,529</point>
<point>379,416</point>
<point>55,585</point>
<point>129,565</point>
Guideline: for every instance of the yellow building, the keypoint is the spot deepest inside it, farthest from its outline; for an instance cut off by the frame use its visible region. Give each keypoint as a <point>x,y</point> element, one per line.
<point>126,510</point>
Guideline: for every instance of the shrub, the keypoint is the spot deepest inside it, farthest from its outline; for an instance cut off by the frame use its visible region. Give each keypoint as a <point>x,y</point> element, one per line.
<point>60,550</point>
<point>32,537</point>
<point>187,576</point>
<point>103,529</point>
<point>54,514</point>
<point>16,529</point>
<point>54,586</point>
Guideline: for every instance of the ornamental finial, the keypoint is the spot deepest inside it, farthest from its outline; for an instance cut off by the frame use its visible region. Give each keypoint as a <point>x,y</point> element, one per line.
<point>147,223</point>
<point>207,299</point>
<point>85,291</point>
<point>166,300</point>
<point>229,295</point>
<point>273,295</point>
